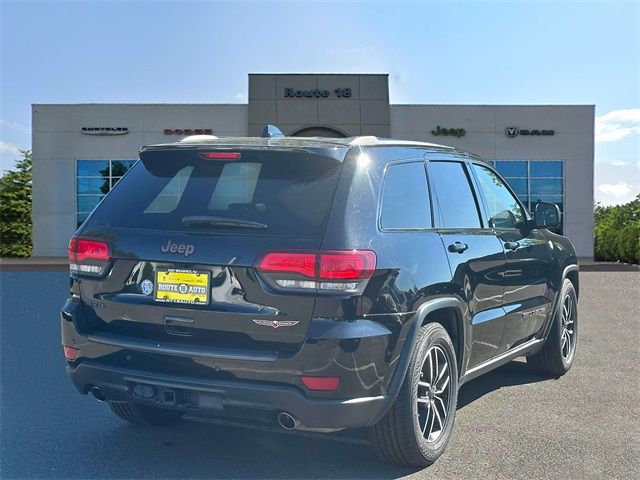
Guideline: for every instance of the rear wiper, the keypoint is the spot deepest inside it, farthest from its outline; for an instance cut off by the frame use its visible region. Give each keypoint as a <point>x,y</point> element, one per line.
<point>191,220</point>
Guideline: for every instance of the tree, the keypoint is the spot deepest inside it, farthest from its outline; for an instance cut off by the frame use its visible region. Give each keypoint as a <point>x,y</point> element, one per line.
<point>15,209</point>
<point>617,232</point>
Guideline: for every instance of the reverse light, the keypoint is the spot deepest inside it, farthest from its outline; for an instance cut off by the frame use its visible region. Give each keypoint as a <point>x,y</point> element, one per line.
<point>221,155</point>
<point>321,383</point>
<point>70,353</point>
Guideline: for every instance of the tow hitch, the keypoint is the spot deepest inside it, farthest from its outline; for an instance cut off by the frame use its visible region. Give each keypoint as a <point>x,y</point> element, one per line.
<point>161,395</point>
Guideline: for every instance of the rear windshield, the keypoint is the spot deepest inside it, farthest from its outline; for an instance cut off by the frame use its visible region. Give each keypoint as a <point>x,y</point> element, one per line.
<point>285,193</point>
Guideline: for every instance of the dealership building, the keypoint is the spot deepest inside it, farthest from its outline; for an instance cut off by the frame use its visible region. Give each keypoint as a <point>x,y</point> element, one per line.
<point>546,152</point>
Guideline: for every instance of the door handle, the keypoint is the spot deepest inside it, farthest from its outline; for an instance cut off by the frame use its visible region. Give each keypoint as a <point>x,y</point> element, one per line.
<point>512,245</point>
<point>458,247</point>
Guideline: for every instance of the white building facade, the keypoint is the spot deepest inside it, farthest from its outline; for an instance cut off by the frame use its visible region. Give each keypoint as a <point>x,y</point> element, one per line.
<point>546,152</point>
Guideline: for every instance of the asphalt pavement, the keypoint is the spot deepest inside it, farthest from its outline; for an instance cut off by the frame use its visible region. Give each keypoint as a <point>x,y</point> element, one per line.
<point>510,423</point>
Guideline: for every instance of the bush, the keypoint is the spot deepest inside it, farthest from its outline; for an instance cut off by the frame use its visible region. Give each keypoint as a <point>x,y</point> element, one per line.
<point>617,232</point>
<point>15,209</point>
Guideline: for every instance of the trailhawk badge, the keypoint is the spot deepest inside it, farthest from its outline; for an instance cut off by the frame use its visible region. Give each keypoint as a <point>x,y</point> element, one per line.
<point>276,323</point>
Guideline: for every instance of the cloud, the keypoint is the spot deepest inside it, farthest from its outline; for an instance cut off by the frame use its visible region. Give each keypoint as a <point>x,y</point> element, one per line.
<point>618,190</point>
<point>9,148</point>
<point>242,97</point>
<point>8,155</point>
<point>620,163</point>
<point>617,124</point>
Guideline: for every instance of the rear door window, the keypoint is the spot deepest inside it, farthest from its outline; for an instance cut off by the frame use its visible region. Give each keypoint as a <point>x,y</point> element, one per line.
<point>289,192</point>
<point>405,201</point>
<point>457,207</point>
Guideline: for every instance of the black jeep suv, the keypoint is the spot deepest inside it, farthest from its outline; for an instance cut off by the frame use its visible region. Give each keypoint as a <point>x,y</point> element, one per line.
<point>319,283</point>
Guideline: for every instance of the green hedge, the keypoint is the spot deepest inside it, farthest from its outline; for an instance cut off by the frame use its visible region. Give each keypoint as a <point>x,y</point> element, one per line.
<point>617,232</point>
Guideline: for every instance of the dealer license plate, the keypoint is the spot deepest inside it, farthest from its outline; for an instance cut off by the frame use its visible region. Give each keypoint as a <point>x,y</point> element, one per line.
<point>182,286</point>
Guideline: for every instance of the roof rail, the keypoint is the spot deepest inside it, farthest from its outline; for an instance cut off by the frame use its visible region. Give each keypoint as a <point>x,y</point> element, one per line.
<point>271,131</point>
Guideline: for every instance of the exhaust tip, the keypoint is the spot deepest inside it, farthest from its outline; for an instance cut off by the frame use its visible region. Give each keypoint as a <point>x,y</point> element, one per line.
<point>97,393</point>
<point>286,421</point>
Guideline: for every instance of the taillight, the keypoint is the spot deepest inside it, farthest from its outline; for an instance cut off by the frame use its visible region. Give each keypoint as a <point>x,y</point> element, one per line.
<point>350,265</point>
<point>329,271</point>
<point>302,263</point>
<point>88,256</point>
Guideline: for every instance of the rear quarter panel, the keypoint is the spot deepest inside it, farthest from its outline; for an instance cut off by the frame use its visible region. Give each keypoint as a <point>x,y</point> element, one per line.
<point>412,266</point>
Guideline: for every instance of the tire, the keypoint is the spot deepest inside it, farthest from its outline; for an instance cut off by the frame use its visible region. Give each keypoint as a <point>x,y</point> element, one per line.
<point>145,414</point>
<point>556,357</point>
<point>398,437</point>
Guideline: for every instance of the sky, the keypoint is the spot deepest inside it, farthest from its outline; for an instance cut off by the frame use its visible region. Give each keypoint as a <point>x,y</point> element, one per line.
<point>473,52</point>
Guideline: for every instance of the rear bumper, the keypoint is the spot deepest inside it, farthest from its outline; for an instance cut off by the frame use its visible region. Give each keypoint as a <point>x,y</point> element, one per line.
<point>361,353</point>
<point>222,397</point>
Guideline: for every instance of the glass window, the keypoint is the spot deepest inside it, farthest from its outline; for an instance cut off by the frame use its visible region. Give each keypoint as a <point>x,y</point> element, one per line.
<point>169,197</point>
<point>86,203</point>
<point>545,186</point>
<point>457,206</point>
<point>534,180</point>
<point>236,185</point>
<point>81,217</point>
<point>504,209</point>
<point>545,169</point>
<point>94,179</point>
<point>93,168</point>
<point>120,167</point>
<point>519,185</point>
<point>405,197</point>
<point>512,168</point>
<point>288,191</point>
<point>92,185</point>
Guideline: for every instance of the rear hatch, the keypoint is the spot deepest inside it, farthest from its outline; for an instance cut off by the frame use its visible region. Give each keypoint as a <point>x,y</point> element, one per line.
<point>183,231</point>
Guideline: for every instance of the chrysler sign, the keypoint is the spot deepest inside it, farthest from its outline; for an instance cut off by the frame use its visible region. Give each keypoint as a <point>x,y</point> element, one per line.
<point>104,130</point>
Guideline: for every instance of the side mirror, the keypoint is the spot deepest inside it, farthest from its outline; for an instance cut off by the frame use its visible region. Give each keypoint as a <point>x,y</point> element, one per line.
<point>546,215</point>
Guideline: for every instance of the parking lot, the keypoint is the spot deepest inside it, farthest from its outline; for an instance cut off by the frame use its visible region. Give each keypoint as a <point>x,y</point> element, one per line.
<point>510,423</point>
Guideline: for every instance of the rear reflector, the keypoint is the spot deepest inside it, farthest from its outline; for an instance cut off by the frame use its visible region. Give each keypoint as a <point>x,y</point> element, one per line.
<point>221,155</point>
<point>70,353</point>
<point>321,383</point>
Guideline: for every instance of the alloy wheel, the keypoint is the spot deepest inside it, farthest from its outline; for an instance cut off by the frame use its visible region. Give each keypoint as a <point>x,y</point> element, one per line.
<point>433,394</point>
<point>568,336</point>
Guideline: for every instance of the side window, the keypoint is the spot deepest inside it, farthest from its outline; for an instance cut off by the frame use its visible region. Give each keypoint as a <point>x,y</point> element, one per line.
<point>504,209</point>
<point>457,206</point>
<point>405,197</point>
